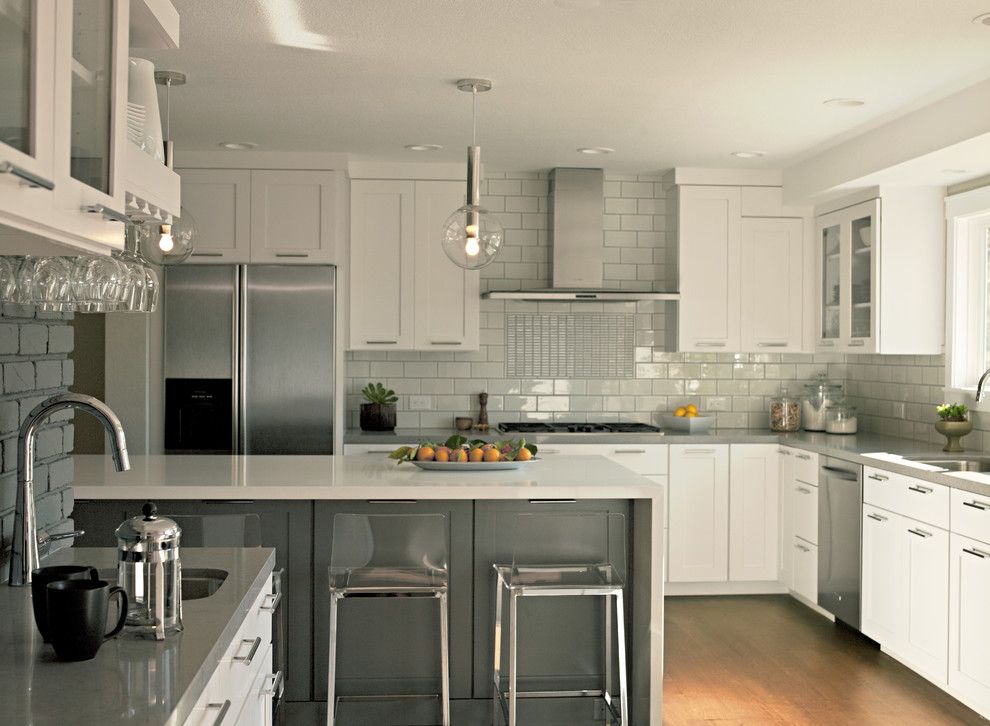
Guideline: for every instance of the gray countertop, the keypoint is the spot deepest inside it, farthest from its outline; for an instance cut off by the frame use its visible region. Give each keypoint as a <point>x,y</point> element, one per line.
<point>399,437</point>
<point>131,680</point>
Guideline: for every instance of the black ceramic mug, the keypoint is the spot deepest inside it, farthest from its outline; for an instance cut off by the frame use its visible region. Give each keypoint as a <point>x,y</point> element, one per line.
<point>77,616</point>
<point>40,580</point>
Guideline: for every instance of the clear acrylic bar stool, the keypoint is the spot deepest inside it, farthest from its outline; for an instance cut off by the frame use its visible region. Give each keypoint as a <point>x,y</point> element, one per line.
<point>390,555</point>
<point>219,530</point>
<point>563,572</point>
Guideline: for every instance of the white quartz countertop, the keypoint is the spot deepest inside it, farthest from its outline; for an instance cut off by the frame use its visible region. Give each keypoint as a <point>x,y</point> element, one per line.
<point>350,477</point>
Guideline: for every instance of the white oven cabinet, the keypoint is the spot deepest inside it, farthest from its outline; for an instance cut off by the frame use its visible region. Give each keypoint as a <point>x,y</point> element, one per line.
<point>699,513</point>
<point>754,521</point>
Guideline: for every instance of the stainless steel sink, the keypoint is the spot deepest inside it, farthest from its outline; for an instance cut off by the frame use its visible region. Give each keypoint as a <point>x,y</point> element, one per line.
<point>197,583</point>
<point>958,462</point>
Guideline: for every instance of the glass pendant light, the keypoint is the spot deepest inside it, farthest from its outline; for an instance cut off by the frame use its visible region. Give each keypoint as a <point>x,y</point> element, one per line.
<point>170,244</point>
<point>472,236</point>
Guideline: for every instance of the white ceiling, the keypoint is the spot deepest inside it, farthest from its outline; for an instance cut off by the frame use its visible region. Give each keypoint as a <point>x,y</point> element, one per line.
<point>664,82</point>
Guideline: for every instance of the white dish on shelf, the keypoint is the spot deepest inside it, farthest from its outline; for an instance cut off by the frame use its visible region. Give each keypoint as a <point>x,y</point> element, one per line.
<point>472,465</point>
<point>866,236</point>
<point>688,424</point>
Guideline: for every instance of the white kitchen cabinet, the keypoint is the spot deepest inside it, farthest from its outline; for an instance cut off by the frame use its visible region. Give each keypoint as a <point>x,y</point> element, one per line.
<point>708,224</point>
<point>969,626</point>
<point>875,256</point>
<point>421,300</point>
<point>293,216</point>
<point>804,503</point>
<point>220,202</point>
<point>383,248</point>
<point>804,575</point>
<point>753,512</point>
<point>699,514</point>
<point>884,616</point>
<point>786,535</point>
<point>447,296</point>
<point>771,286</point>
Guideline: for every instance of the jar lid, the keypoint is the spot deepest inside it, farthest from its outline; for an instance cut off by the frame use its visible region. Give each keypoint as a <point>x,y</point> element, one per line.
<point>821,383</point>
<point>148,528</point>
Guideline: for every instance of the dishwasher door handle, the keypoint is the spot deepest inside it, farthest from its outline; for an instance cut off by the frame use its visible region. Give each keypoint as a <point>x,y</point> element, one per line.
<point>840,473</point>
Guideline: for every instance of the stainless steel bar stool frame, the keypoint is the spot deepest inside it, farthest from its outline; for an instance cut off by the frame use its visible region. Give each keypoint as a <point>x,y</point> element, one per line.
<point>387,580</point>
<point>505,703</point>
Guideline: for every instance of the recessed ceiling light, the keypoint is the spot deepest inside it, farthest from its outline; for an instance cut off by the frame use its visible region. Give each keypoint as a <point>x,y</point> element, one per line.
<point>238,145</point>
<point>982,19</point>
<point>954,171</point>
<point>748,154</point>
<point>596,150</point>
<point>843,102</point>
<point>423,147</point>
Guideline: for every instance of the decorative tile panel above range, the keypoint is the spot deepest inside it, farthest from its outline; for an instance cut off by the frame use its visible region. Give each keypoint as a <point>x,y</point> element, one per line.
<point>570,345</point>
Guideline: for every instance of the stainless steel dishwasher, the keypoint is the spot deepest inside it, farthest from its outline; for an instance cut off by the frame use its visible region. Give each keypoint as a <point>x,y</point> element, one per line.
<point>840,522</point>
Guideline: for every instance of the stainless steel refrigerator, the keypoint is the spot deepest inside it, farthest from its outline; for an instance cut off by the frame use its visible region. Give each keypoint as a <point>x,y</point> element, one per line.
<point>249,359</point>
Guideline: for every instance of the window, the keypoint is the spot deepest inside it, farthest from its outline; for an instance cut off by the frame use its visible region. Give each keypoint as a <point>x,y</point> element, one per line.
<point>968,289</point>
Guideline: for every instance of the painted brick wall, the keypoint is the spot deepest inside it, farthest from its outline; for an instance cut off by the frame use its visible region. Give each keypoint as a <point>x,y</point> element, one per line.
<point>34,365</point>
<point>736,387</point>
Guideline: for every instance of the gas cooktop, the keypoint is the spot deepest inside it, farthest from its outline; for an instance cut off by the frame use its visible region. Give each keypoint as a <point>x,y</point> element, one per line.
<point>563,427</point>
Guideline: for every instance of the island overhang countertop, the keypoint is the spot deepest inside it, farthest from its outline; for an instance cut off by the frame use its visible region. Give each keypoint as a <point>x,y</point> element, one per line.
<point>350,477</point>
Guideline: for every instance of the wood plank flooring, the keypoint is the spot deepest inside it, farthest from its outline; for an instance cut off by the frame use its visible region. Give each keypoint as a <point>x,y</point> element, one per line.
<point>770,660</point>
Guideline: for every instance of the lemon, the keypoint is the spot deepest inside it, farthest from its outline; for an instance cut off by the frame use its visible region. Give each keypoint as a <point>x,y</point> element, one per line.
<point>680,411</point>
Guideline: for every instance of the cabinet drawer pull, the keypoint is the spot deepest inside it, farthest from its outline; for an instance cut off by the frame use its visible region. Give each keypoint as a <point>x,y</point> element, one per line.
<point>975,552</point>
<point>207,254</point>
<point>804,457</point>
<point>802,548</point>
<point>826,343</point>
<point>274,686</point>
<point>28,178</point>
<point>856,343</point>
<point>920,533</point>
<point>628,451</point>
<point>381,342</point>
<point>246,659</point>
<point>710,344</point>
<point>107,213</point>
<point>920,489</point>
<point>445,342</point>
<point>877,477</point>
<point>877,517</point>
<point>977,505</point>
<point>553,501</point>
<point>784,452</point>
<point>291,254</point>
<point>802,490</point>
<point>699,451</point>
<point>272,602</point>
<point>393,501</point>
<point>379,451</point>
<point>224,707</point>
<point>771,345</point>
<point>549,451</point>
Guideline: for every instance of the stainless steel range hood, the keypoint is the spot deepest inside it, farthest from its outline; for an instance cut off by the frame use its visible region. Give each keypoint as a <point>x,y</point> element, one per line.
<point>578,244</point>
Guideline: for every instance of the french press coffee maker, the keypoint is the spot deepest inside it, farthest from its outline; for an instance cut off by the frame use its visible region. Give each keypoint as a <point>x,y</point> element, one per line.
<point>149,569</point>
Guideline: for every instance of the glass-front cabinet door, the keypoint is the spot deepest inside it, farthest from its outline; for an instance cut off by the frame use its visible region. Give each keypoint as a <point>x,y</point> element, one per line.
<point>27,56</point>
<point>847,252</point>
<point>91,101</point>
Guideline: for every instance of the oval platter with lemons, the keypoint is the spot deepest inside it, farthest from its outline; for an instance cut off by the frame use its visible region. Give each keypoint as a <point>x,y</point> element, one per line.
<point>459,454</point>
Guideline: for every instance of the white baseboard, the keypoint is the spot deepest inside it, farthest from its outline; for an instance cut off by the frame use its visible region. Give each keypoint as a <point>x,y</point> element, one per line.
<point>675,589</point>
<point>813,606</point>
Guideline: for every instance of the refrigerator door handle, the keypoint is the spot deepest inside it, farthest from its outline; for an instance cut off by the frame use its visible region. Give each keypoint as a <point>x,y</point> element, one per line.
<point>240,403</point>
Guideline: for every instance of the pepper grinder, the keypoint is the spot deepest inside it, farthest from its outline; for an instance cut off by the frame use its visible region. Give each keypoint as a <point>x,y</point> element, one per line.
<point>482,424</point>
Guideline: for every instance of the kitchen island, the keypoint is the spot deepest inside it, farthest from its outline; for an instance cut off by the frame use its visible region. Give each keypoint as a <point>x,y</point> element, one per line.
<point>132,680</point>
<point>297,497</point>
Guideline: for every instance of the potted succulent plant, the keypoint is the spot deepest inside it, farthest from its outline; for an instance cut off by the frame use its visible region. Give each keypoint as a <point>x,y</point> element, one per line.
<point>378,414</point>
<point>953,424</point>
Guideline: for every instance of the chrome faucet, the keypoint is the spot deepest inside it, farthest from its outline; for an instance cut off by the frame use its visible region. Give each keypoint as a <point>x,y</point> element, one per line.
<point>24,550</point>
<point>980,393</point>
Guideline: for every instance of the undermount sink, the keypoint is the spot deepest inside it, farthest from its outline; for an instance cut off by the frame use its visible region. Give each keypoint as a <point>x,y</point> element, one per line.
<point>197,583</point>
<point>959,462</point>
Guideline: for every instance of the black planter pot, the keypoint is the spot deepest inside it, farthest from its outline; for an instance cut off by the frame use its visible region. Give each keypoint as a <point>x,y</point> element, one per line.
<point>377,416</point>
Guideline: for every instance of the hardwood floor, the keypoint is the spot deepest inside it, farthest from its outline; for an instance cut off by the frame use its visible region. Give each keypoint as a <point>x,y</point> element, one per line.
<point>770,660</point>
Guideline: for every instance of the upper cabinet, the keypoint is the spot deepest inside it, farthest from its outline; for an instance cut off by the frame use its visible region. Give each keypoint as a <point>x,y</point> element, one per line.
<point>273,216</point>
<point>405,293</point>
<point>880,282</point>
<point>67,173</point>
<point>740,260</point>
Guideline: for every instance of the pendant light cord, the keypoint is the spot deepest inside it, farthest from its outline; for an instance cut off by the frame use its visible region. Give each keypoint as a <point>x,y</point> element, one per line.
<point>168,110</point>
<point>474,117</point>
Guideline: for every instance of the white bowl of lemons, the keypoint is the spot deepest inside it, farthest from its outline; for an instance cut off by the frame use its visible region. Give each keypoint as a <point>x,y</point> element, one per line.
<point>687,419</point>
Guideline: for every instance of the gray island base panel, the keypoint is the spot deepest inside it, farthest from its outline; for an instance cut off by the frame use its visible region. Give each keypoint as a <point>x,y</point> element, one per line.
<point>131,680</point>
<point>297,497</point>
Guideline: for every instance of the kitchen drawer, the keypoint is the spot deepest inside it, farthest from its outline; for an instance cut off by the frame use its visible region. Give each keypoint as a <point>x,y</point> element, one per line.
<point>921,500</point>
<point>806,466</point>
<point>804,575</point>
<point>804,499</point>
<point>971,515</point>
<point>247,651</point>
<point>641,458</point>
<point>378,449</point>
<point>207,710</point>
<point>256,703</point>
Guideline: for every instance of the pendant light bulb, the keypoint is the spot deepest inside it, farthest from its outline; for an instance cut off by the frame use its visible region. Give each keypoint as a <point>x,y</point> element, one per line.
<point>165,242</point>
<point>472,247</point>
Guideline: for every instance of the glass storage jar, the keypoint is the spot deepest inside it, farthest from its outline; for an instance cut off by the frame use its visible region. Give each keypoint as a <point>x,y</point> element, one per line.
<point>840,418</point>
<point>785,413</point>
<point>818,394</point>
